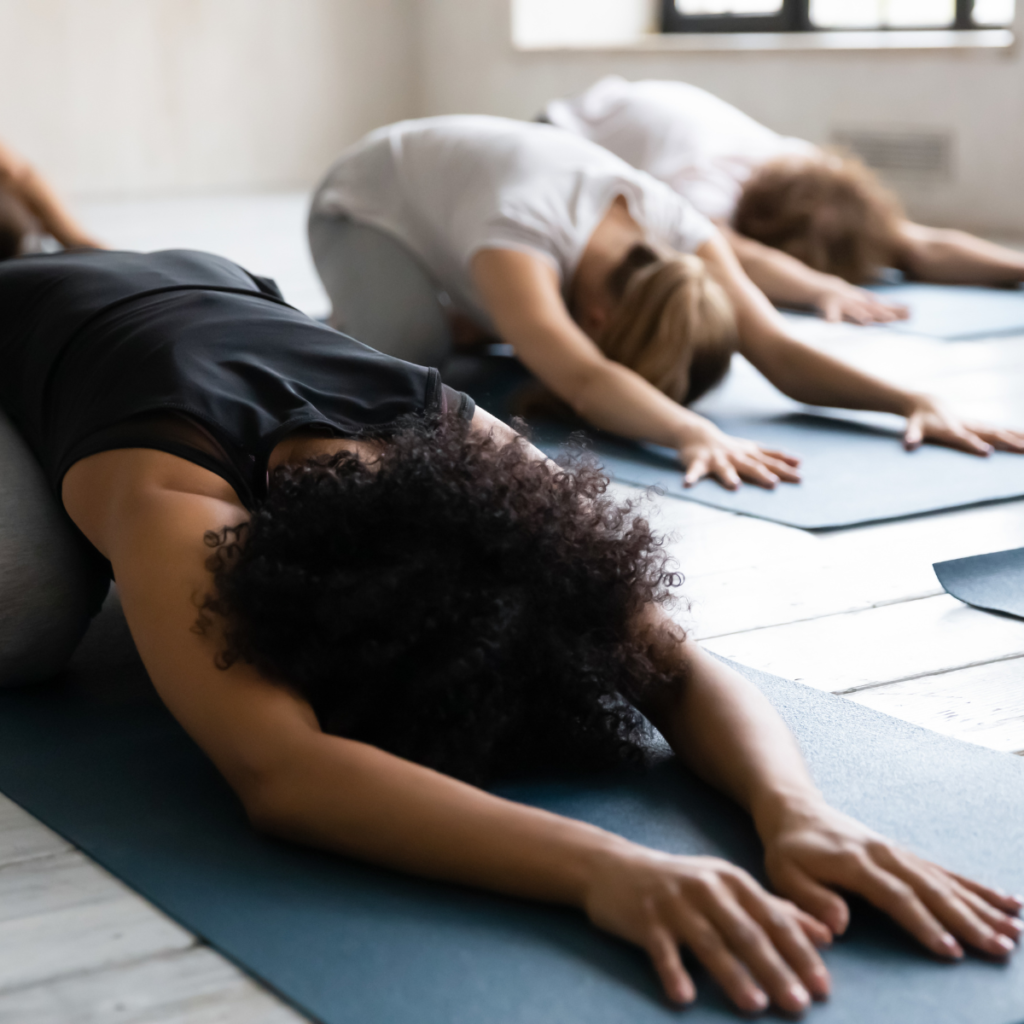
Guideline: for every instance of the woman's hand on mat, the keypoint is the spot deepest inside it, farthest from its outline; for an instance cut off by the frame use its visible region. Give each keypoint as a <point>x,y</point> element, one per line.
<point>758,947</point>
<point>707,451</point>
<point>844,301</point>
<point>812,851</point>
<point>930,420</point>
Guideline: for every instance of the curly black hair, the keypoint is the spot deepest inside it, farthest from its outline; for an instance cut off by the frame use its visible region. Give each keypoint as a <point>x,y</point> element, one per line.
<point>455,601</point>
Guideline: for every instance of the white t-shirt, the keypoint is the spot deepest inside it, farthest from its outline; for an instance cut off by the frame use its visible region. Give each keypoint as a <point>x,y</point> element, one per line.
<point>701,146</point>
<point>448,187</point>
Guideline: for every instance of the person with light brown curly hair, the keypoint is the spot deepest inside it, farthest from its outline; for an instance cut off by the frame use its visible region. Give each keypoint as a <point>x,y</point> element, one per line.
<point>809,225</point>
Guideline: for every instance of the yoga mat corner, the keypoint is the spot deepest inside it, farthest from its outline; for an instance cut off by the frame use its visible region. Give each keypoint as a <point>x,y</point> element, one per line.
<point>993,582</point>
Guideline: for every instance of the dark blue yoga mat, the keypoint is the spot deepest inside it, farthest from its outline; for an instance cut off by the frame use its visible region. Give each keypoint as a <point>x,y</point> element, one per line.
<point>96,757</point>
<point>854,467</point>
<point>956,312</point>
<point>994,582</point>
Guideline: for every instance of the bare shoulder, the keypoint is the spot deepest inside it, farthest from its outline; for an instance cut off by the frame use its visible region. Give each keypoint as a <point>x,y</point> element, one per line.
<point>111,493</point>
<point>152,522</point>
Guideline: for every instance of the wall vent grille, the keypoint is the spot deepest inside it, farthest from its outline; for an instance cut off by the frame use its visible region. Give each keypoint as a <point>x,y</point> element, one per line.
<point>894,152</point>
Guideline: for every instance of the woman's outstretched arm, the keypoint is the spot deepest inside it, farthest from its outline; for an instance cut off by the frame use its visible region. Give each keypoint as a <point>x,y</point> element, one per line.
<point>523,296</point>
<point>20,177</point>
<point>727,732</point>
<point>789,282</point>
<point>946,256</point>
<point>810,376</point>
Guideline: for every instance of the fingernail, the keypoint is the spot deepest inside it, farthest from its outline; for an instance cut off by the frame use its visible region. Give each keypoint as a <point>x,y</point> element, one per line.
<point>821,981</point>
<point>758,1000</point>
<point>951,945</point>
<point>1018,900</point>
<point>1015,924</point>
<point>1005,943</point>
<point>800,994</point>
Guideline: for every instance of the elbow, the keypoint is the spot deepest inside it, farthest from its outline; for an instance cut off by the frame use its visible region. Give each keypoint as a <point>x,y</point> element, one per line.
<point>269,795</point>
<point>269,808</point>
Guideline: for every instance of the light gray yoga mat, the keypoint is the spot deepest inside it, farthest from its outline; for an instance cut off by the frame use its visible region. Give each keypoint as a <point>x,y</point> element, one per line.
<point>851,473</point>
<point>854,467</point>
<point>994,582</point>
<point>97,758</point>
<point>956,312</point>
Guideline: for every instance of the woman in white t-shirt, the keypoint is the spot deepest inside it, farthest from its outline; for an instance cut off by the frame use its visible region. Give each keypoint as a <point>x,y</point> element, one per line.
<point>807,225</point>
<point>589,268</point>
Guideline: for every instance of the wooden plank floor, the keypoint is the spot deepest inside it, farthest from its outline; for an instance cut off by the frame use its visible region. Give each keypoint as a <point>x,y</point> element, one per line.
<point>854,611</point>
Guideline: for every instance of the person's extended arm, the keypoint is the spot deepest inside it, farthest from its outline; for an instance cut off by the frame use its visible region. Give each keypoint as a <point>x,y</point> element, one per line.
<point>20,177</point>
<point>788,281</point>
<point>726,731</point>
<point>946,256</point>
<point>807,375</point>
<point>522,294</point>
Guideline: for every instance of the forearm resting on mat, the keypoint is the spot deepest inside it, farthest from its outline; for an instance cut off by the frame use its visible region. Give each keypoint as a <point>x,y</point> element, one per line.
<point>799,371</point>
<point>944,255</point>
<point>725,731</point>
<point>788,281</point>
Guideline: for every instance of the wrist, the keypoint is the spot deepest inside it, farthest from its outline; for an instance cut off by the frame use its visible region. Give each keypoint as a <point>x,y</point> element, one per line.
<point>777,809</point>
<point>692,428</point>
<point>828,285</point>
<point>600,861</point>
<point>908,402</point>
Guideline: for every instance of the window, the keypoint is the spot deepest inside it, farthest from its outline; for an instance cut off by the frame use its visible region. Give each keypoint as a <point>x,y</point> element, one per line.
<point>824,15</point>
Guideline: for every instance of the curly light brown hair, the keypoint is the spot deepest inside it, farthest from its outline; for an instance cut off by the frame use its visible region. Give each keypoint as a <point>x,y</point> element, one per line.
<point>830,211</point>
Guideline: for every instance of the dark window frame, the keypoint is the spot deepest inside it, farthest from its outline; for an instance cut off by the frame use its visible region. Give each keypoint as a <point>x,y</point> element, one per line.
<point>793,17</point>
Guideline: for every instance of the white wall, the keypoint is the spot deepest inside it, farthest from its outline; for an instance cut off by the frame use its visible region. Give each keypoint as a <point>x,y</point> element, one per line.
<point>468,64</point>
<point>150,96</point>
<point>144,97</point>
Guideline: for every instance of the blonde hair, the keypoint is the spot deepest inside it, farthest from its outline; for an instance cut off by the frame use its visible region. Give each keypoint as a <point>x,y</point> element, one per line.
<point>672,323</point>
<point>831,212</point>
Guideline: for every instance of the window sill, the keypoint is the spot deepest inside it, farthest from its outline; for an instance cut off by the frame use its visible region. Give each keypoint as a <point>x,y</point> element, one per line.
<point>670,42</point>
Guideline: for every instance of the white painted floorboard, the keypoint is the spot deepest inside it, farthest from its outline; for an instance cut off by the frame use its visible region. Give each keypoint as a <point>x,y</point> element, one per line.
<point>194,986</point>
<point>77,946</point>
<point>983,704</point>
<point>856,611</point>
<point>851,651</point>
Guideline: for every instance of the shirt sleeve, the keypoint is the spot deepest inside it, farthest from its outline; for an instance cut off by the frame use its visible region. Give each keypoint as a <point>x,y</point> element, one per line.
<point>672,220</point>
<point>456,403</point>
<point>507,234</point>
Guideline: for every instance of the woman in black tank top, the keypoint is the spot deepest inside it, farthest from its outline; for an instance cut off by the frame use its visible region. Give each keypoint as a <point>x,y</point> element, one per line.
<point>361,597</point>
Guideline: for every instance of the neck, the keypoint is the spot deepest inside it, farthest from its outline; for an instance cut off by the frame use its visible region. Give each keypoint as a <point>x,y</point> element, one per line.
<point>612,239</point>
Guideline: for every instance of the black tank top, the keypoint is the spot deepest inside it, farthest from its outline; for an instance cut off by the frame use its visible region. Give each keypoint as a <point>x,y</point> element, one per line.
<point>94,343</point>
